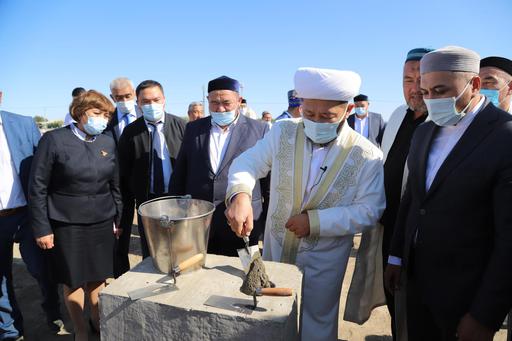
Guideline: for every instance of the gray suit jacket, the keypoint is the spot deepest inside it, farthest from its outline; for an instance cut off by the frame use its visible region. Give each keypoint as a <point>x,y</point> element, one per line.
<point>193,174</point>
<point>375,127</point>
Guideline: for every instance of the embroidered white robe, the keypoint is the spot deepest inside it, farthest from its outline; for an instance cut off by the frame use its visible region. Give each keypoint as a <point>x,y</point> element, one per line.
<point>348,199</point>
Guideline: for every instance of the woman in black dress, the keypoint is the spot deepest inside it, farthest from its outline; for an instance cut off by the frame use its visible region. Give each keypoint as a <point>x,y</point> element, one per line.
<point>75,204</point>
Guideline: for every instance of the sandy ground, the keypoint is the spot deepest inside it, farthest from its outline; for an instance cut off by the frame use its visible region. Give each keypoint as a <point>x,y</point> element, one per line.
<point>29,298</point>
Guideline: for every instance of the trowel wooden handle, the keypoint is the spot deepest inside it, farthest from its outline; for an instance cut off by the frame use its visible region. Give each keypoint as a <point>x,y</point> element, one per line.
<point>275,292</point>
<point>190,262</point>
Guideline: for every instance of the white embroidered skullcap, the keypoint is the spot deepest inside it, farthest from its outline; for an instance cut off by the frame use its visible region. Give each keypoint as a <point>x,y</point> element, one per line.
<point>450,58</point>
<point>326,84</point>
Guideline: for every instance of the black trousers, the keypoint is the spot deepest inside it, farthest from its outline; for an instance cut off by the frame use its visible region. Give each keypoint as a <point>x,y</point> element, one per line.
<point>121,250</point>
<point>390,299</point>
<point>422,323</point>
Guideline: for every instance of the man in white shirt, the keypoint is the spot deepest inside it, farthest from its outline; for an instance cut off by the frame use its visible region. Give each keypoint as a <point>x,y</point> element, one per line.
<point>209,147</point>
<point>75,93</point>
<point>147,151</point>
<point>367,123</point>
<point>19,136</point>
<point>453,233</point>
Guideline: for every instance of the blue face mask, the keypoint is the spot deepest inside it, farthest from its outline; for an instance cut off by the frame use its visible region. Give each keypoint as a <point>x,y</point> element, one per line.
<point>95,125</point>
<point>153,112</point>
<point>360,111</point>
<point>223,118</point>
<point>321,132</point>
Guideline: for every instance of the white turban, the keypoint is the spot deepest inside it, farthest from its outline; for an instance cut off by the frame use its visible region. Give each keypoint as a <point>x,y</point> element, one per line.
<point>326,84</point>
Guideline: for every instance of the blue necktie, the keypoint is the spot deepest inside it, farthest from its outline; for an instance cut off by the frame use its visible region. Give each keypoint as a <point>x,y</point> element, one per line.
<point>158,172</point>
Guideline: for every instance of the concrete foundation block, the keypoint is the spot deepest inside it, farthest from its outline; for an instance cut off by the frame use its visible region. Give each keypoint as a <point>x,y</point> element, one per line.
<point>182,315</point>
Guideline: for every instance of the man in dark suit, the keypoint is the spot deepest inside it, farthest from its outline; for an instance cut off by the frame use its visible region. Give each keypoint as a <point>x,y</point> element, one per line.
<point>19,137</point>
<point>367,123</point>
<point>209,147</point>
<point>453,234</point>
<point>147,153</point>
<point>122,93</point>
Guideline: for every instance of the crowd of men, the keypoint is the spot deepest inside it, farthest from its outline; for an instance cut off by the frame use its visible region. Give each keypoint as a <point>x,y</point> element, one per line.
<point>430,190</point>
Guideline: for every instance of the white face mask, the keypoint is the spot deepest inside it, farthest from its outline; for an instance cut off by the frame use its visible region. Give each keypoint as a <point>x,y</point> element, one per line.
<point>153,112</point>
<point>321,133</point>
<point>126,107</point>
<point>443,112</point>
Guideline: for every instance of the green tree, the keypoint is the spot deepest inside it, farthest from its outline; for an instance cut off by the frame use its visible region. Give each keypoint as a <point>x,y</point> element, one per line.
<point>40,119</point>
<point>55,124</point>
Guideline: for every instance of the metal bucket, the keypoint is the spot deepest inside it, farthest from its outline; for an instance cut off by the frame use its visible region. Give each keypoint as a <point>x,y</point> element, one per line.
<point>176,229</point>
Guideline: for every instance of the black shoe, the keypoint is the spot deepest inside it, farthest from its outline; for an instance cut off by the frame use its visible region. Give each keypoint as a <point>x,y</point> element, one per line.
<point>16,338</point>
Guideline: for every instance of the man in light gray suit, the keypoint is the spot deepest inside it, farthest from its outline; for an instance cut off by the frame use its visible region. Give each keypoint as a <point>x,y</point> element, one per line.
<point>369,124</point>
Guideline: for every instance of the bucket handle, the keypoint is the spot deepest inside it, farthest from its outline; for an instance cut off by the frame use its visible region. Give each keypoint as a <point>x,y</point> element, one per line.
<point>165,221</point>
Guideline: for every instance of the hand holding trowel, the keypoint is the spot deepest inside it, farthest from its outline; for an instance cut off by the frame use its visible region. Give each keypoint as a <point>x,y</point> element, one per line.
<point>240,219</point>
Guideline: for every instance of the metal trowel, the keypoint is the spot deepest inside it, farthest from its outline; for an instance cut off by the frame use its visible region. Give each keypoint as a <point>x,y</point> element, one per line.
<point>243,306</point>
<point>237,305</point>
<point>161,288</point>
<point>247,254</point>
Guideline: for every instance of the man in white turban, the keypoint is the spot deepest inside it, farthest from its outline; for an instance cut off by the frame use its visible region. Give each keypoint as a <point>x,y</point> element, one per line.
<point>453,233</point>
<point>327,185</point>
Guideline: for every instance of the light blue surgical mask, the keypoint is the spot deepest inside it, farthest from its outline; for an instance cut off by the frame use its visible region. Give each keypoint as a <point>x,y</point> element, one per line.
<point>360,111</point>
<point>493,94</point>
<point>321,133</point>
<point>223,118</point>
<point>95,125</point>
<point>443,112</point>
<point>126,107</point>
<point>153,112</point>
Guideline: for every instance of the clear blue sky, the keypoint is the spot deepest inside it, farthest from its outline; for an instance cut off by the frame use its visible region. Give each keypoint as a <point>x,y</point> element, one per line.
<point>49,47</point>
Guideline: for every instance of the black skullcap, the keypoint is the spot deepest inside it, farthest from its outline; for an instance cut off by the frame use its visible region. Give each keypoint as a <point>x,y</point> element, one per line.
<point>360,98</point>
<point>501,63</point>
<point>223,83</point>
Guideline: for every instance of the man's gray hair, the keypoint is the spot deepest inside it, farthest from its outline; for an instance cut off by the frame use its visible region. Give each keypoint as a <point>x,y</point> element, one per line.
<point>193,104</point>
<point>121,82</point>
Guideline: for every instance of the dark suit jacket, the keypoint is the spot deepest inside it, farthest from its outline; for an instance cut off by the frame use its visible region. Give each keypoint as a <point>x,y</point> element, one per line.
<point>111,129</point>
<point>22,137</point>
<point>462,256</point>
<point>134,160</point>
<point>193,175</point>
<point>375,127</point>
<point>73,181</point>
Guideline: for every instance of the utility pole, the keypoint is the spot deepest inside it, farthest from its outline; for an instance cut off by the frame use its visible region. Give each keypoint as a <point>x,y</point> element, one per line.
<point>204,101</point>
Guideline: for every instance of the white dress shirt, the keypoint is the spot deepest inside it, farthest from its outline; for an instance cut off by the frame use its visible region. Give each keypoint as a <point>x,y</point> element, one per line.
<point>361,125</point>
<point>442,144</point>
<point>11,191</point>
<point>444,141</point>
<point>219,141</point>
<point>68,120</point>
<point>160,146</point>
<point>316,169</point>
